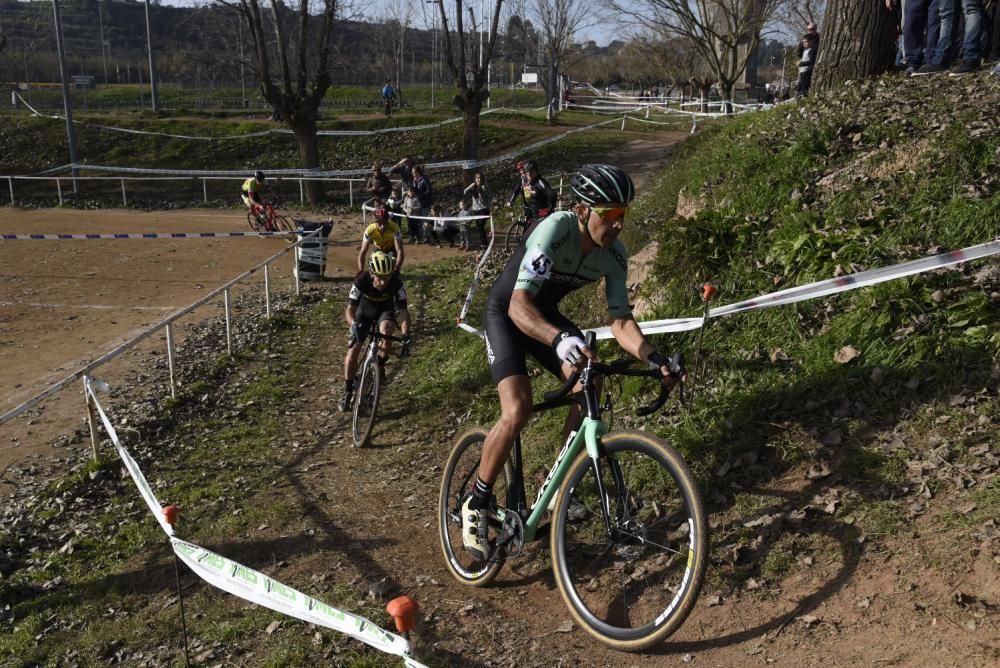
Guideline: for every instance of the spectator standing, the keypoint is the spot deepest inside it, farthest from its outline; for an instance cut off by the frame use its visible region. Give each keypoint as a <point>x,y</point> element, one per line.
<point>463,226</point>
<point>422,186</point>
<point>388,97</point>
<point>480,195</point>
<point>944,50</point>
<point>921,29</point>
<point>394,205</point>
<point>971,53</point>
<point>405,170</point>
<point>378,186</point>
<point>808,48</point>
<point>410,206</point>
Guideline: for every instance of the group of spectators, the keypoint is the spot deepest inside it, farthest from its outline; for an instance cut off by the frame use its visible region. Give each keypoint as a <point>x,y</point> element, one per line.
<point>936,36</point>
<point>942,35</point>
<point>411,204</point>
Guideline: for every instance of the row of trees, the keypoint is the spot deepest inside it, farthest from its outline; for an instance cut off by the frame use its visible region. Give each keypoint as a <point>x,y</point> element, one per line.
<point>293,51</point>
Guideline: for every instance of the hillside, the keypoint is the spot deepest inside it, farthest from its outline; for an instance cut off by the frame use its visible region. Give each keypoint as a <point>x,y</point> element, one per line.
<point>847,447</point>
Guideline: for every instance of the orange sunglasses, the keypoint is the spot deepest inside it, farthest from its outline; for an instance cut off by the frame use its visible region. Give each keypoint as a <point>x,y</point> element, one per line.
<point>610,213</point>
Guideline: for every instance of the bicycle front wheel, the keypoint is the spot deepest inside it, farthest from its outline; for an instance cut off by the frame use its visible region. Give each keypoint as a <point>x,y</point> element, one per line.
<point>513,235</point>
<point>456,486</point>
<point>366,396</point>
<point>254,222</point>
<point>630,581</point>
<point>284,224</point>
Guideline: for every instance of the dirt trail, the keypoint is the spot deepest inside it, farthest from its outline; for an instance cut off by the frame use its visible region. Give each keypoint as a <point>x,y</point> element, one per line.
<point>66,303</point>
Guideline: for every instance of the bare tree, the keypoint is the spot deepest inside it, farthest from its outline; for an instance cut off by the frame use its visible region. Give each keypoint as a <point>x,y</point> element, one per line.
<point>725,33</point>
<point>559,21</point>
<point>293,69</point>
<point>468,73</point>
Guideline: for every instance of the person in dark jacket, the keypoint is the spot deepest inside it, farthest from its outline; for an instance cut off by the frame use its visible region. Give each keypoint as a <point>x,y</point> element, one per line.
<point>808,48</point>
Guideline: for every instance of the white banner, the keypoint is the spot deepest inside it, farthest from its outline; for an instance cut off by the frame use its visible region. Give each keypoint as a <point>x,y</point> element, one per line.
<point>809,291</point>
<point>248,584</point>
<point>256,587</point>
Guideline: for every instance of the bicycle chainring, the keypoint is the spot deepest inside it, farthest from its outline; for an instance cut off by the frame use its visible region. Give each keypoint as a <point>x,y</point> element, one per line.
<point>512,534</point>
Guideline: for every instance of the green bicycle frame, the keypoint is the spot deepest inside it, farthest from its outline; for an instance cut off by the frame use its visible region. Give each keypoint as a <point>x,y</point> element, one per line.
<point>588,436</point>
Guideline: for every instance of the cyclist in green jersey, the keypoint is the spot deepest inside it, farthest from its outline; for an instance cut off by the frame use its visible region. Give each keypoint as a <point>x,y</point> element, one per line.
<point>565,251</point>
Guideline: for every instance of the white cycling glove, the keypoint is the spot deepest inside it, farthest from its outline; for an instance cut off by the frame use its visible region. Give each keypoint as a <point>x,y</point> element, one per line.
<point>569,347</point>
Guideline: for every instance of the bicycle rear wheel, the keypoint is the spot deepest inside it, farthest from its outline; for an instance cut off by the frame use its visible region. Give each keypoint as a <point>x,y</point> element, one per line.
<point>456,486</point>
<point>634,587</point>
<point>366,396</point>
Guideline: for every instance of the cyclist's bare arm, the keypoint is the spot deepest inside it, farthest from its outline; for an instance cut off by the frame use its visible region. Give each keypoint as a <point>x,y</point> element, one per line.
<point>365,243</point>
<point>630,337</point>
<point>350,314</point>
<point>529,319</point>
<point>398,241</point>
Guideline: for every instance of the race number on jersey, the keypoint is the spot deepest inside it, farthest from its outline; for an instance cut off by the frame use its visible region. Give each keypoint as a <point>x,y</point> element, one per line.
<point>537,264</point>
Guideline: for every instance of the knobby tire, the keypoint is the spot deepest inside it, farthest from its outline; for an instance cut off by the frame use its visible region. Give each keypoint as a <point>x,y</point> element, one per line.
<point>635,588</point>
<point>457,483</point>
<point>366,397</point>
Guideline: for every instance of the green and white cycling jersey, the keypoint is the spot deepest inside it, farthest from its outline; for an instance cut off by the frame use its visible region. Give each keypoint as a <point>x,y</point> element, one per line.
<point>549,264</point>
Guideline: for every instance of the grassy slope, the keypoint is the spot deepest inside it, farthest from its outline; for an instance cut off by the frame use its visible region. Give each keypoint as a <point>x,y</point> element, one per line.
<point>773,404</point>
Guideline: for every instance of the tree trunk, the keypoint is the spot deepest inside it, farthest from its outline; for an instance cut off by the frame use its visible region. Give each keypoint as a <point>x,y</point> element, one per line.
<point>305,133</point>
<point>471,105</point>
<point>859,42</point>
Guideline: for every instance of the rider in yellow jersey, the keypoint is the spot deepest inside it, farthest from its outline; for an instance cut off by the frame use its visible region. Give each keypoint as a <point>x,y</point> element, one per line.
<point>385,235</point>
<point>250,192</point>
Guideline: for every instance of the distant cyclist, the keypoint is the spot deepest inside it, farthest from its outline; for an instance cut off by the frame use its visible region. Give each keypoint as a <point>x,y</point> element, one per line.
<point>539,197</point>
<point>376,297</point>
<point>564,252</point>
<point>385,235</point>
<point>252,187</point>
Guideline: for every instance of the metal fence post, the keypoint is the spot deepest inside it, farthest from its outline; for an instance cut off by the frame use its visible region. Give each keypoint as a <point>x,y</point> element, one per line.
<point>350,186</point>
<point>295,265</point>
<point>170,357</point>
<point>229,331</point>
<point>91,418</point>
<point>267,290</point>
<point>124,198</point>
<point>204,189</point>
<point>302,192</point>
<point>10,183</point>
<point>59,189</point>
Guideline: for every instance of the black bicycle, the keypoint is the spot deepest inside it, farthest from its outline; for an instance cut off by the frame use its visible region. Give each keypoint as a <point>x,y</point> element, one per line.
<point>368,381</point>
<point>517,228</point>
<point>628,533</point>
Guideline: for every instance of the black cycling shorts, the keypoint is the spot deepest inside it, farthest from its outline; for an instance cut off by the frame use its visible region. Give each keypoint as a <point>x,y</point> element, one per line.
<point>373,313</point>
<point>506,345</point>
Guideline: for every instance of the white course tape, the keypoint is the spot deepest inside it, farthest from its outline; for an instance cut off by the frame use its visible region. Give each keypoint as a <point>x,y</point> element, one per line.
<point>811,290</point>
<point>247,583</point>
<point>142,235</point>
<point>145,491</point>
<point>257,588</point>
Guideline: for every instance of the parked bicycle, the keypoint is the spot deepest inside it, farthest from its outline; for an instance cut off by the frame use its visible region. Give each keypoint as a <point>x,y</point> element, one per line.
<point>628,534</point>
<point>368,383</point>
<point>264,218</point>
